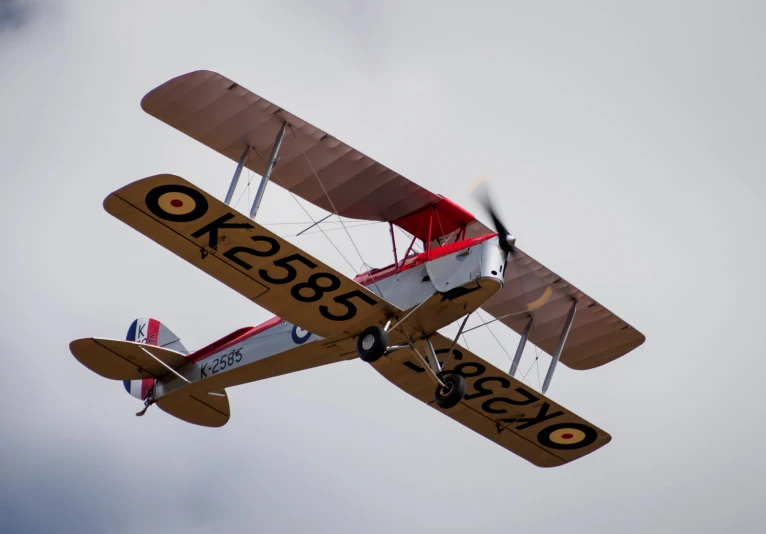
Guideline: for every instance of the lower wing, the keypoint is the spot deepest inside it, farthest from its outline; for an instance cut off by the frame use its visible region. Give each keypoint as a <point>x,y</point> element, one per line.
<point>256,263</point>
<point>498,406</point>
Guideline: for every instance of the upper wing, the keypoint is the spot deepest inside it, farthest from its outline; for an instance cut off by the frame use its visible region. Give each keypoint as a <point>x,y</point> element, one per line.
<point>531,290</point>
<point>499,407</point>
<point>245,256</point>
<point>227,117</point>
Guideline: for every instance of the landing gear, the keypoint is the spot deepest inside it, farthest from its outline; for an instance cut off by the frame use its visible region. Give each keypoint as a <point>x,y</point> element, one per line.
<point>149,400</point>
<point>372,343</point>
<point>451,393</point>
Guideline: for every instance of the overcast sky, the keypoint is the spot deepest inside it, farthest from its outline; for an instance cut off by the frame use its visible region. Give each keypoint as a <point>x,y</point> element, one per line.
<point>625,143</point>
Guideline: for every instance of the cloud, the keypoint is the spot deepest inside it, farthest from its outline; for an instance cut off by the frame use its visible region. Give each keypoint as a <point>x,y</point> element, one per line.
<point>15,14</point>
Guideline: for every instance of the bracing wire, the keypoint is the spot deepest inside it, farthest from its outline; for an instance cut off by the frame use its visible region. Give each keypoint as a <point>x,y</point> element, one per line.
<point>246,189</point>
<point>439,220</point>
<point>304,223</point>
<point>493,335</point>
<point>537,357</point>
<point>332,205</point>
<point>409,238</point>
<point>323,231</point>
<point>333,229</point>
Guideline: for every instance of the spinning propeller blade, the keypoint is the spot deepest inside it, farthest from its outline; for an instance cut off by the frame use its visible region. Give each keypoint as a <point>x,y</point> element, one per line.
<point>481,193</point>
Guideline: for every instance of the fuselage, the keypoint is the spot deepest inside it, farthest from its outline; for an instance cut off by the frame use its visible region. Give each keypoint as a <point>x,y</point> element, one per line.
<point>445,284</point>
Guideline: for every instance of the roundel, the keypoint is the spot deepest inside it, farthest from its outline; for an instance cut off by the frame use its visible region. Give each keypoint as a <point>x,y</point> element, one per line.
<point>300,335</point>
<point>176,203</point>
<point>567,436</point>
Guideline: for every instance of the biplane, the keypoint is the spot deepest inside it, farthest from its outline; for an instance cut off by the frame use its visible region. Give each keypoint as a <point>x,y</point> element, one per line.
<point>389,317</point>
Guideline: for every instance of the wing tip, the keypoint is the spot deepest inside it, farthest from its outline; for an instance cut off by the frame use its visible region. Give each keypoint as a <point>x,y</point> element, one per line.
<point>149,97</point>
<point>599,359</point>
<point>113,200</point>
<point>82,350</point>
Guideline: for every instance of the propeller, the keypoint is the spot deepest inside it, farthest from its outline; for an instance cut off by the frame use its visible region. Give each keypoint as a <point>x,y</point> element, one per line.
<point>481,194</point>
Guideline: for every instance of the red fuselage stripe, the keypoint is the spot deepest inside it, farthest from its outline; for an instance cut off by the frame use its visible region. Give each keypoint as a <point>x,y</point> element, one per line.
<point>152,335</point>
<point>235,337</point>
<point>376,275</point>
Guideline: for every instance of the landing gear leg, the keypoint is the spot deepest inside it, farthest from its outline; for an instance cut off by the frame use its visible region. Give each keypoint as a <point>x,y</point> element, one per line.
<point>372,343</point>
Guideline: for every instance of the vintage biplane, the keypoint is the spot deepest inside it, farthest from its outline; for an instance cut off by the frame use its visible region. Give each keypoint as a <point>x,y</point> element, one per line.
<point>389,317</point>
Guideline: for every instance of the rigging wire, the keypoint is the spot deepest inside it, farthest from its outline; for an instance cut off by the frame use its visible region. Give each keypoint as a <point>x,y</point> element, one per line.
<point>302,223</point>
<point>333,229</point>
<point>439,220</point>
<point>493,335</point>
<point>537,357</point>
<point>322,230</point>
<point>246,189</point>
<point>538,352</point>
<point>409,238</point>
<point>332,205</point>
<point>496,319</point>
<point>535,363</point>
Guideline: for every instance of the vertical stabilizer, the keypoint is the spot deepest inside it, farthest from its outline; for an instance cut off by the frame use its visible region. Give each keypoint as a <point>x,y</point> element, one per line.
<point>151,332</point>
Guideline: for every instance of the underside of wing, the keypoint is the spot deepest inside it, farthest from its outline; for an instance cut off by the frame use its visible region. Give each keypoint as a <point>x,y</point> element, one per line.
<point>196,404</point>
<point>247,257</point>
<point>125,360</point>
<point>498,406</point>
<point>228,118</point>
<point>532,291</point>
<point>312,164</point>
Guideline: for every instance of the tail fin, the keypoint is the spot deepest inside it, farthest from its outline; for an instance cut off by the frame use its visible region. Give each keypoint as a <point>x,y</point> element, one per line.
<point>151,332</point>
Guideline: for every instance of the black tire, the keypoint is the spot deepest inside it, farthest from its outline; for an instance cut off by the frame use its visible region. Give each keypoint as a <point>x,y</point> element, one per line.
<point>453,392</point>
<point>372,344</point>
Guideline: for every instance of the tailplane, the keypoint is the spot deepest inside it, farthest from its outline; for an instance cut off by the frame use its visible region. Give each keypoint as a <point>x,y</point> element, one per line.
<point>139,368</point>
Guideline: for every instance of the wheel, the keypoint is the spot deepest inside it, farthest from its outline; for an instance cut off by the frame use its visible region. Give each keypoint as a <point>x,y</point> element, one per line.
<point>452,393</point>
<point>372,343</point>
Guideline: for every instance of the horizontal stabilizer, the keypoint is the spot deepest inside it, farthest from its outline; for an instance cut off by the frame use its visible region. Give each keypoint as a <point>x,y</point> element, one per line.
<point>197,406</point>
<point>125,360</point>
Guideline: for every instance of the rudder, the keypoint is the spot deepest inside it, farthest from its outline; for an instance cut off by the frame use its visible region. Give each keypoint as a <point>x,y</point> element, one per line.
<point>151,332</point>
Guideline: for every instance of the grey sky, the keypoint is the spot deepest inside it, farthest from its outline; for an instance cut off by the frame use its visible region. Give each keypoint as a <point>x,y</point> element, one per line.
<point>625,143</point>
